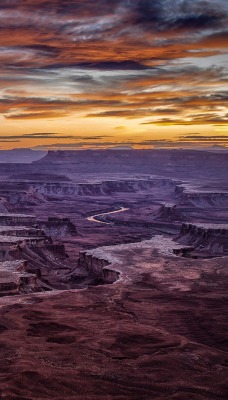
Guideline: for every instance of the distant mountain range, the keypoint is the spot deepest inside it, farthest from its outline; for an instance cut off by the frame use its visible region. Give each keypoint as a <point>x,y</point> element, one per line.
<point>21,156</point>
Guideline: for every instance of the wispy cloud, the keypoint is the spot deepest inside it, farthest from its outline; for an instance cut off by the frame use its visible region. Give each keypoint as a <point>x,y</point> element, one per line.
<point>188,141</point>
<point>159,62</point>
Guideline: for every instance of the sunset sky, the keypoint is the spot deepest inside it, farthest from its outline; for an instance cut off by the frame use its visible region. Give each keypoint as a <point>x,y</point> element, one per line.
<point>85,73</point>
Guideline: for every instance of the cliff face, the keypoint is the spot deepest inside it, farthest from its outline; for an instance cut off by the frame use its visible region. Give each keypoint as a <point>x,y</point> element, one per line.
<point>97,267</point>
<point>201,199</point>
<point>18,194</point>
<point>24,199</point>
<point>210,238</point>
<point>15,279</point>
<point>169,212</point>
<point>58,227</point>
<point>104,188</point>
<point>22,239</point>
<point>16,219</point>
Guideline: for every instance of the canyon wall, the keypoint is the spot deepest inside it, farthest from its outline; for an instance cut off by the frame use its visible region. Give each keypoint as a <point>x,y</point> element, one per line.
<point>16,219</point>
<point>201,199</point>
<point>169,212</point>
<point>58,227</point>
<point>14,278</point>
<point>104,188</point>
<point>97,267</point>
<point>27,253</point>
<point>210,238</point>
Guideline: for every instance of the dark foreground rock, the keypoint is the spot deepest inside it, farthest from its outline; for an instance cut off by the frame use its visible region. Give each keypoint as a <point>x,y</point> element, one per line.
<point>159,332</point>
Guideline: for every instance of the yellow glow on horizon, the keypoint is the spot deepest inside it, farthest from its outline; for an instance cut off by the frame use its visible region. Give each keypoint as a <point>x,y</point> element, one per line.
<point>110,130</point>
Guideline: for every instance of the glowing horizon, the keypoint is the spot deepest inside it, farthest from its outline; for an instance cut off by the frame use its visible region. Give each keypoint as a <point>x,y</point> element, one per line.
<point>132,73</point>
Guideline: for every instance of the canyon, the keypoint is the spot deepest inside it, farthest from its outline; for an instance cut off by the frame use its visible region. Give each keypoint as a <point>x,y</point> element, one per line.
<point>113,275</point>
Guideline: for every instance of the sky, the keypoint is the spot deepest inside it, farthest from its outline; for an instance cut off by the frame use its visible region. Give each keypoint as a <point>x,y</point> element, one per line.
<point>80,74</point>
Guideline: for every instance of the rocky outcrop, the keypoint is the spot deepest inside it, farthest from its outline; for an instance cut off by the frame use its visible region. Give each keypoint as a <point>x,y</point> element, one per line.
<point>21,238</point>
<point>14,278</point>
<point>104,188</point>
<point>211,238</point>
<point>26,198</point>
<point>201,199</point>
<point>21,231</point>
<point>104,265</point>
<point>58,227</point>
<point>16,195</point>
<point>97,267</point>
<point>169,212</point>
<point>8,241</point>
<point>16,219</point>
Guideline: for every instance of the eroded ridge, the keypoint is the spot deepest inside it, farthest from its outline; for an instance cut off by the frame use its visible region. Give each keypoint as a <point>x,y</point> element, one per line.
<point>25,250</point>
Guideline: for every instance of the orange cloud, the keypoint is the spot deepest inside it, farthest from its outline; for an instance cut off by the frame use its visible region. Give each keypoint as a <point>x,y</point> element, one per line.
<point>156,62</point>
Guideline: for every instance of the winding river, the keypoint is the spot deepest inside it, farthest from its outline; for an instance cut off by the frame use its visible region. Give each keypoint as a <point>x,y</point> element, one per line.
<point>95,218</point>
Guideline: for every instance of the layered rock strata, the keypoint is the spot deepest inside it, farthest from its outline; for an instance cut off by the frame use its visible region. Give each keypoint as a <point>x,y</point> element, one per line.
<point>211,238</point>
<point>97,268</point>
<point>190,196</point>
<point>58,227</point>
<point>15,279</point>
<point>169,212</point>
<point>21,238</point>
